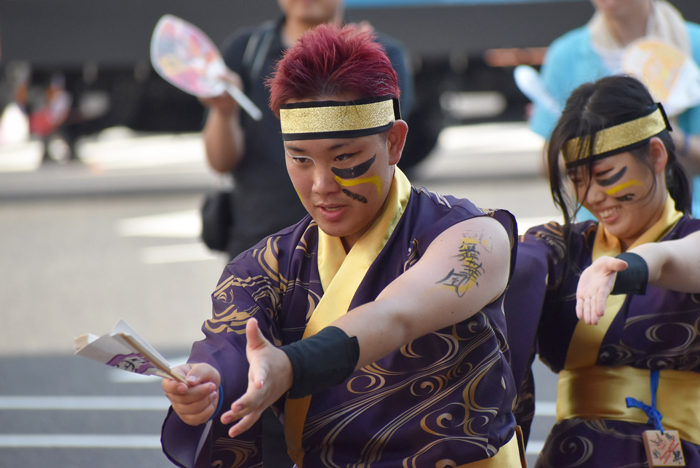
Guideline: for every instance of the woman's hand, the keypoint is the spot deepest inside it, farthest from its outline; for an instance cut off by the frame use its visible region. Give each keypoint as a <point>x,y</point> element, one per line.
<point>594,287</point>
<point>269,377</point>
<point>197,401</point>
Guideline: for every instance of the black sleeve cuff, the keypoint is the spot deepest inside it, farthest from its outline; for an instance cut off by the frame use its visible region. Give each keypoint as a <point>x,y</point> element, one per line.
<point>327,358</point>
<point>634,279</point>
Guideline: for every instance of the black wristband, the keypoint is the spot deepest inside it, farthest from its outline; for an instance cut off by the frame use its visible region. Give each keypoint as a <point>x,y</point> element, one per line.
<point>634,279</point>
<point>322,360</point>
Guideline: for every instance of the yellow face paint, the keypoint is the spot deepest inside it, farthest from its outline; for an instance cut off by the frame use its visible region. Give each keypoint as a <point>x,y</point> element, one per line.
<point>376,180</point>
<point>617,188</point>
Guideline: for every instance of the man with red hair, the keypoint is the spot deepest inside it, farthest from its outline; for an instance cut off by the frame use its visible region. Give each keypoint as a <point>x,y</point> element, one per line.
<point>263,199</point>
<point>332,321</point>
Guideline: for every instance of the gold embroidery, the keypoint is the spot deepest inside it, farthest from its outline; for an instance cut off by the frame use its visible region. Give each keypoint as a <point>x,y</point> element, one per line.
<point>337,118</point>
<point>610,139</point>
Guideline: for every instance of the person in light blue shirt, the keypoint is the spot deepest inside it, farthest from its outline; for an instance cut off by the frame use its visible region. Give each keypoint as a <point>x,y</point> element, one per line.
<point>595,50</point>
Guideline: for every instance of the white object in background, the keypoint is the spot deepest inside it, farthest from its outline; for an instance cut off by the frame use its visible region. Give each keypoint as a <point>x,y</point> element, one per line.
<point>186,57</point>
<point>530,83</point>
<point>14,125</point>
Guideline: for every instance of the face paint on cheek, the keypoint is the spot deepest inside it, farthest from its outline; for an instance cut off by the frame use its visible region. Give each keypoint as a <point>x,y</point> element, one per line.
<point>614,179</point>
<point>343,176</point>
<point>354,172</point>
<point>626,198</point>
<point>617,188</point>
<point>355,196</point>
<point>376,180</point>
<point>299,195</point>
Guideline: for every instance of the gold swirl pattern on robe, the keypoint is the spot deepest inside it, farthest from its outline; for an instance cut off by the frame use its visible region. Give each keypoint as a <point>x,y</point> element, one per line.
<point>412,256</point>
<point>241,450</point>
<point>568,447</point>
<point>670,342</point>
<point>436,384</point>
<point>576,449</point>
<point>553,236</point>
<point>233,320</point>
<point>270,285</point>
<point>407,350</point>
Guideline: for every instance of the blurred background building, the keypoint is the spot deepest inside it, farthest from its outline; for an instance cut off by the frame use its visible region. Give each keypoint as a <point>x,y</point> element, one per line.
<point>463,53</point>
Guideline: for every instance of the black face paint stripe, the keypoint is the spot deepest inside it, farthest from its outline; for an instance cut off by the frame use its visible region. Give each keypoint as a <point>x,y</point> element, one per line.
<point>354,172</point>
<point>614,178</point>
<point>355,196</point>
<point>625,198</point>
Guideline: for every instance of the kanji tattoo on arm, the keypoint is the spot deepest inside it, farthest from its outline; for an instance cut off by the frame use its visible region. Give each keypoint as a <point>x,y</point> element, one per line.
<point>467,275</point>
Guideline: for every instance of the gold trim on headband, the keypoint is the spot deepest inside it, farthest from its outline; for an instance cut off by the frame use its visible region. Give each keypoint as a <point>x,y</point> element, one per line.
<point>613,138</point>
<point>338,118</point>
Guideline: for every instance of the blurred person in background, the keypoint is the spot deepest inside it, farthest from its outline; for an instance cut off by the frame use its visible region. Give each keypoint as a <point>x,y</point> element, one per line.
<point>597,49</point>
<point>621,164</point>
<point>263,199</point>
<point>58,109</point>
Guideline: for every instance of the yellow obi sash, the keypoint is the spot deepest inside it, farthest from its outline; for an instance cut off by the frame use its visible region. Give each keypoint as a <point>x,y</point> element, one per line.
<point>599,393</point>
<point>508,456</point>
<point>341,275</point>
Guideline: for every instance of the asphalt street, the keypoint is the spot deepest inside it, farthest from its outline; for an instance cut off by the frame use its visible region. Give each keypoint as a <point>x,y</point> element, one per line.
<point>116,237</point>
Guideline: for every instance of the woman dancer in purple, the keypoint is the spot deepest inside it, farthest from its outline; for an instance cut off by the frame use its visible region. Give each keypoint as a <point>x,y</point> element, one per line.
<point>628,362</point>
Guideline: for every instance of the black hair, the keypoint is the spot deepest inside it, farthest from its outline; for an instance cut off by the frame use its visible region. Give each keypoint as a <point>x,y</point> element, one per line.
<point>598,105</point>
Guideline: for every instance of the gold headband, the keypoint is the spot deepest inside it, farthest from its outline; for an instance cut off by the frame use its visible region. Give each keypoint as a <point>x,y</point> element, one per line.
<point>612,140</point>
<point>334,119</point>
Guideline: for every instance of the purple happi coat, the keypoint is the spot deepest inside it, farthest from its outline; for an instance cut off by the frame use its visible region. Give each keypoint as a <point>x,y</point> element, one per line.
<point>443,400</point>
<point>659,330</point>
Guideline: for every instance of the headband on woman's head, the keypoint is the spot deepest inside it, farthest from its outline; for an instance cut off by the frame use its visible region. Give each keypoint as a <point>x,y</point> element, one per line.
<point>314,120</point>
<point>615,139</point>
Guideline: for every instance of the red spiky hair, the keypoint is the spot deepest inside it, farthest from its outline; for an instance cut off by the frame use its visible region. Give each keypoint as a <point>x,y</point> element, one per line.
<point>328,61</point>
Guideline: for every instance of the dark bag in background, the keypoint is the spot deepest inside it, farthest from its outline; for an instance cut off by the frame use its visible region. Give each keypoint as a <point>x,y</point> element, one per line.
<point>217,216</point>
<point>217,219</point>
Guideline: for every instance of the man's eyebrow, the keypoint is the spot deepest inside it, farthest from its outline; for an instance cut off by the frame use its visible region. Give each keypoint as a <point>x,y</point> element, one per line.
<point>338,145</point>
<point>294,148</point>
<point>332,147</point>
<point>614,178</point>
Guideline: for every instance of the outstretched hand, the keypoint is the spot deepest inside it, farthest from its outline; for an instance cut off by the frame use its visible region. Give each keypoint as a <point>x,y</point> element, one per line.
<point>269,377</point>
<point>594,287</point>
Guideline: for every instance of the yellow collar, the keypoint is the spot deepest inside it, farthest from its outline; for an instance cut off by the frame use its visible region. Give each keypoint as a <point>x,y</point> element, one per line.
<point>331,253</point>
<point>341,275</point>
<point>609,245</point>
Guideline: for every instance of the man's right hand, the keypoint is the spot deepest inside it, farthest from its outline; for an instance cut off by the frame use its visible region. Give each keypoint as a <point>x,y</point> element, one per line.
<point>197,401</point>
<point>224,103</point>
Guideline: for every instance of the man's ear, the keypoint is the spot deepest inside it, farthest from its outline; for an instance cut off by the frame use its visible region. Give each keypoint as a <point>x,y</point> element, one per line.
<point>395,140</point>
<point>659,155</point>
